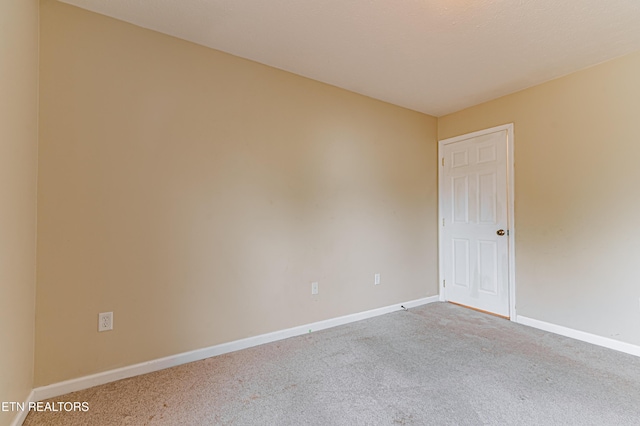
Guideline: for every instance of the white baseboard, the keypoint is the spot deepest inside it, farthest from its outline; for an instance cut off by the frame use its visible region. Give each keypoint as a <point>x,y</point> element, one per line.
<point>61,388</point>
<point>21,415</point>
<point>606,342</point>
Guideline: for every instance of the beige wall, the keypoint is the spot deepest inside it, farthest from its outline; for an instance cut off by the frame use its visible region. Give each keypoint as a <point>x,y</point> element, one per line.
<point>18,171</point>
<point>197,195</point>
<point>577,152</point>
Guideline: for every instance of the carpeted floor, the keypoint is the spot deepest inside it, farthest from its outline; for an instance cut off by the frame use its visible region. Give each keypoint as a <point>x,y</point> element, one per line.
<point>438,364</point>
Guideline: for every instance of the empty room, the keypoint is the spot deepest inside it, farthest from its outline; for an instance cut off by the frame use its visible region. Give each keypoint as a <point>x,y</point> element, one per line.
<point>327,213</point>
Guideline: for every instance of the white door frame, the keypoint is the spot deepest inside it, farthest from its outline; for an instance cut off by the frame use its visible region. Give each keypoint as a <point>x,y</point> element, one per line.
<point>511,276</point>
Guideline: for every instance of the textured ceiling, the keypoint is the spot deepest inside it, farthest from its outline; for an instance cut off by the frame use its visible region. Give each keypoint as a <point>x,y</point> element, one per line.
<point>433,56</point>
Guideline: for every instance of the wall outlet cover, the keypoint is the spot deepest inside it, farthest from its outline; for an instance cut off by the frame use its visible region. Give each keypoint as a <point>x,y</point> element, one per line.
<point>105,321</point>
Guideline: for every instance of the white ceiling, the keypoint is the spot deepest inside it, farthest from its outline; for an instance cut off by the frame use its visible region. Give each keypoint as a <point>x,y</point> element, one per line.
<point>433,56</point>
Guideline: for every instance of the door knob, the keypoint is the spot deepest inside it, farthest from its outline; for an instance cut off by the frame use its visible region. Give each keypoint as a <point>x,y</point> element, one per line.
<point>500,232</point>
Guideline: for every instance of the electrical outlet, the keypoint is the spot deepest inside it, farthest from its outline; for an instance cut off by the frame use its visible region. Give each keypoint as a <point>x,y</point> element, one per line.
<point>376,279</point>
<point>314,287</point>
<point>105,321</point>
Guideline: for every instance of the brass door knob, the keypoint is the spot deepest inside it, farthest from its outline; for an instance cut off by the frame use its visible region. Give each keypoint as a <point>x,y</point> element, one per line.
<point>500,232</point>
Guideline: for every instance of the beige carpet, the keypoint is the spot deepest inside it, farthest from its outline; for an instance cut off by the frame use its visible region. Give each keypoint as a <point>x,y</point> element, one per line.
<point>438,364</point>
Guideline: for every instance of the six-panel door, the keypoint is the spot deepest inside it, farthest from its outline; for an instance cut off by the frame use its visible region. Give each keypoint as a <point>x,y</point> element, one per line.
<point>474,209</point>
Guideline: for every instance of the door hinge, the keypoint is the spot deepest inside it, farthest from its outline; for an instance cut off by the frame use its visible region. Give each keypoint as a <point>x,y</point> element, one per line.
<point>443,222</point>
<point>443,161</point>
<point>444,283</point>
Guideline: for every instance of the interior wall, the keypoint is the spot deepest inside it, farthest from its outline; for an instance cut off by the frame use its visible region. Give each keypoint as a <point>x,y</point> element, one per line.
<point>576,196</point>
<point>197,195</point>
<point>18,171</point>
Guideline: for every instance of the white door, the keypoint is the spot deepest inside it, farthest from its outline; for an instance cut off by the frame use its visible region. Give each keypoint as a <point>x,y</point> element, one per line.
<point>474,222</point>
